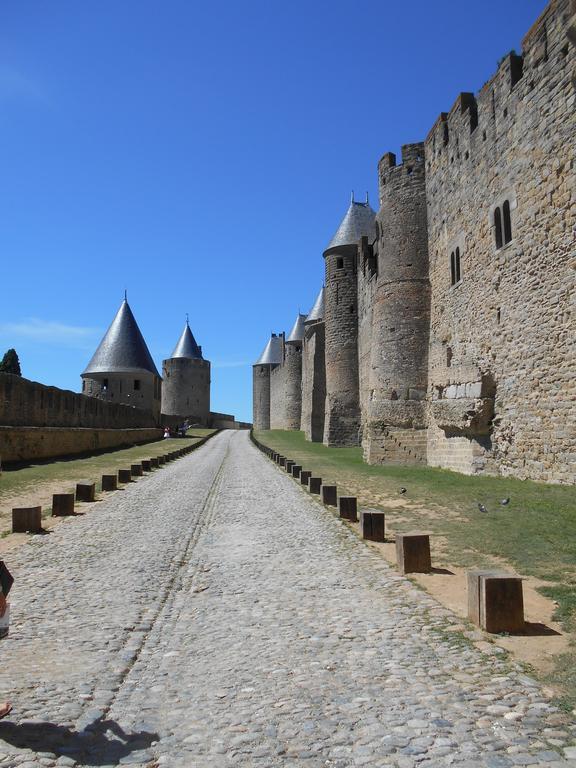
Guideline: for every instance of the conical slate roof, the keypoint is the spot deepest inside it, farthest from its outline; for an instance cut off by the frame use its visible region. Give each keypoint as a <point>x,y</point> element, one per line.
<point>272,354</point>
<point>123,349</point>
<point>359,221</point>
<point>317,311</point>
<point>297,332</point>
<point>187,346</point>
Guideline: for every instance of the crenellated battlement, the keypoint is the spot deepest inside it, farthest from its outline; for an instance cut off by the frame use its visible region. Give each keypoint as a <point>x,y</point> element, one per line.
<point>409,172</point>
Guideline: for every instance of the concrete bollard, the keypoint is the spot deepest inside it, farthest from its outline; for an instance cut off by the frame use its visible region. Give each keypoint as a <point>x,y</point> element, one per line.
<point>495,601</point>
<point>373,525</point>
<point>124,475</point>
<point>314,484</point>
<point>136,470</point>
<point>328,494</point>
<point>413,552</point>
<point>305,475</point>
<point>27,520</point>
<point>296,469</point>
<point>109,482</point>
<point>85,491</point>
<point>154,463</point>
<point>62,504</point>
<point>146,466</point>
<point>348,508</point>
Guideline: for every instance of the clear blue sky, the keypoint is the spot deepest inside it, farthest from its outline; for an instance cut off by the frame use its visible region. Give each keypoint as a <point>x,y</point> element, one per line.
<point>202,155</point>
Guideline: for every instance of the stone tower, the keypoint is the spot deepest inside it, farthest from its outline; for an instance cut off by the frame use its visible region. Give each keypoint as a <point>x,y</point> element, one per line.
<point>314,373</point>
<point>398,375</point>
<point>186,387</point>
<point>122,370</point>
<point>342,416</point>
<point>270,358</point>
<point>293,374</point>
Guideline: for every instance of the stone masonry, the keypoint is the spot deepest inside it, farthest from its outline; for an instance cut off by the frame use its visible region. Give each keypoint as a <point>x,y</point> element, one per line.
<point>449,320</point>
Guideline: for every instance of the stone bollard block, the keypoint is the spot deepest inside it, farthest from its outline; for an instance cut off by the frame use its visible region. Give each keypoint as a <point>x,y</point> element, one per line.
<point>109,482</point>
<point>146,466</point>
<point>305,475</point>
<point>62,504</point>
<point>296,469</point>
<point>495,601</point>
<point>124,475</point>
<point>136,470</point>
<point>329,496</point>
<point>373,525</point>
<point>154,463</point>
<point>27,520</point>
<point>413,552</point>
<point>314,484</point>
<point>348,508</point>
<point>85,491</point>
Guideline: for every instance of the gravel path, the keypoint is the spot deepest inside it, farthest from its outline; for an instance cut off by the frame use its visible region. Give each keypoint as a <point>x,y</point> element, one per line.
<point>212,614</point>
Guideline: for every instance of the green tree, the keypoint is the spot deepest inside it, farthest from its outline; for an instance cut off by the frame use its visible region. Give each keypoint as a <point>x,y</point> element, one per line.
<point>10,363</point>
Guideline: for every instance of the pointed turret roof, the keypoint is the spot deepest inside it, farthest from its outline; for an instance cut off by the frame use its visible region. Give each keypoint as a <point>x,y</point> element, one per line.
<point>317,311</point>
<point>187,346</point>
<point>272,354</point>
<point>358,221</point>
<point>297,332</point>
<point>123,348</point>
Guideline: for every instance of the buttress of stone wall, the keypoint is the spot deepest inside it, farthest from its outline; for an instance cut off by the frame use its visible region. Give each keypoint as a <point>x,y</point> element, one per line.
<point>261,396</point>
<point>400,307</point>
<point>313,382</point>
<point>342,416</point>
<point>500,182</point>
<point>367,283</point>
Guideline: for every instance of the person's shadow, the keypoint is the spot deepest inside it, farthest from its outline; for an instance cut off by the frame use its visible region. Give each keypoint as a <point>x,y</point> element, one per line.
<point>92,746</point>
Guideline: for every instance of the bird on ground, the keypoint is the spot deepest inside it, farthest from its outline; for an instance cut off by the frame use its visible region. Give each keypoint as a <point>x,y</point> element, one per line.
<point>402,490</point>
<point>504,502</point>
<point>482,508</point>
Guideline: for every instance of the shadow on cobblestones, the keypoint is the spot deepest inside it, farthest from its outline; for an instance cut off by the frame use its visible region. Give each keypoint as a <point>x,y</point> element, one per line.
<point>103,742</point>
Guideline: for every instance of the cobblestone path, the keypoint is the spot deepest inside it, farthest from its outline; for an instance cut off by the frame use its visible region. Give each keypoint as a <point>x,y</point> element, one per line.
<point>212,614</point>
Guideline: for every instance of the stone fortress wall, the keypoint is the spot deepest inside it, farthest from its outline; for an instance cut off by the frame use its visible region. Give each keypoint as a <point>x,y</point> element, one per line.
<point>459,335</point>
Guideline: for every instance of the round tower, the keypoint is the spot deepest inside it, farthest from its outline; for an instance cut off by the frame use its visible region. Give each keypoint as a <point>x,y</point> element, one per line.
<point>270,358</point>
<point>186,387</point>
<point>314,373</point>
<point>401,314</point>
<point>342,417</point>
<point>122,370</point>
<point>293,374</point>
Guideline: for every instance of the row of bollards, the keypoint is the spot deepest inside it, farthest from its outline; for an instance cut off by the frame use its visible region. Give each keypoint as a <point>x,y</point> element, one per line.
<point>29,519</point>
<point>495,599</point>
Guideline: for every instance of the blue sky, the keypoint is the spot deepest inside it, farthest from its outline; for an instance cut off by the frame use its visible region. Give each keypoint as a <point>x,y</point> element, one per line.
<point>202,155</point>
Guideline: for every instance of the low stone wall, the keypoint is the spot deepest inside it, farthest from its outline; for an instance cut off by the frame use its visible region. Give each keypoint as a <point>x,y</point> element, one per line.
<point>25,403</point>
<point>30,443</point>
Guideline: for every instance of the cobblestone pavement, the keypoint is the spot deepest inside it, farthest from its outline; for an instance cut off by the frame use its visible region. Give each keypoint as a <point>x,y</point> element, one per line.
<point>212,614</point>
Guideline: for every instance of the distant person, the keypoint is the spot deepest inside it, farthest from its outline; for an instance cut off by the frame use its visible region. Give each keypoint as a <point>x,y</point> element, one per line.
<point>166,432</point>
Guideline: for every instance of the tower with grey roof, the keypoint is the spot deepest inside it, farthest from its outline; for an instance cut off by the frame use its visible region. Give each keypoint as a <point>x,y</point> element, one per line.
<point>122,370</point>
<point>271,357</point>
<point>342,412</point>
<point>286,381</point>
<point>186,386</point>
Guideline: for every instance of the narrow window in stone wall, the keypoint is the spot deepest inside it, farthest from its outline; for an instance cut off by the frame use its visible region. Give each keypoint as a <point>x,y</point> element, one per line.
<point>498,227</point>
<point>136,384</point>
<point>339,263</point>
<point>507,222</point>
<point>455,267</point>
